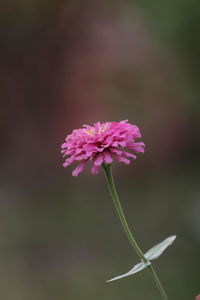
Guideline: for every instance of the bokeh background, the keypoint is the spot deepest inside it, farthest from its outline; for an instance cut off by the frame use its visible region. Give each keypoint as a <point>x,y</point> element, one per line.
<point>68,63</point>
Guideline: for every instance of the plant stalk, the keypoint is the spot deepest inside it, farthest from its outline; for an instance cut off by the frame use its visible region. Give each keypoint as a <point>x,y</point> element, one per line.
<point>108,172</point>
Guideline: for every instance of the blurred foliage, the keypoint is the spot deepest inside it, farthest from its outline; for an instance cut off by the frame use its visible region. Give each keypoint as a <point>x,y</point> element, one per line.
<point>176,24</point>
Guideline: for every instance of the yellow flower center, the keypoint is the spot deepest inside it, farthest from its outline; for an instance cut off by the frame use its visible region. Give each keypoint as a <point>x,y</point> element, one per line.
<point>101,128</point>
<point>91,130</point>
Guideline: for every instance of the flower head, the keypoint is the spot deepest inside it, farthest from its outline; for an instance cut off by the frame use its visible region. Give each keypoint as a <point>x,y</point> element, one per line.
<point>101,143</point>
<point>197,297</point>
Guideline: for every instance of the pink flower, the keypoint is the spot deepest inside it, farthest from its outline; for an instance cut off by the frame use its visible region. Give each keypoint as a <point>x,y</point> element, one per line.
<point>197,297</point>
<point>101,143</point>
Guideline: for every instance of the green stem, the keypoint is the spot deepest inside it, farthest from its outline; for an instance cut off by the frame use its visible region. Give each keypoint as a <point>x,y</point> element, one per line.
<point>111,185</point>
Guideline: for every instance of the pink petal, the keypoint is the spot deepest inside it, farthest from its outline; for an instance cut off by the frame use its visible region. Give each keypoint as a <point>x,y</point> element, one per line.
<point>115,144</point>
<point>107,157</point>
<point>123,121</point>
<point>108,140</point>
<point>128,154</point>
<point>122,144</point>
<point>64,145</point>
<point>97,126</point>
<point>98,160</point>
<point>136,147</point>
<point>94,169</point>
<point>100,149</point>
<point>122,159</point>
<point>90,147</point>
<point>115,150</point>
<point>80,168</point>
<point>68,162</point>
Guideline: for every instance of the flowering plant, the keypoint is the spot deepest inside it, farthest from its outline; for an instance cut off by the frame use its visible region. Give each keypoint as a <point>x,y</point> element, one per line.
<point>100,144</point>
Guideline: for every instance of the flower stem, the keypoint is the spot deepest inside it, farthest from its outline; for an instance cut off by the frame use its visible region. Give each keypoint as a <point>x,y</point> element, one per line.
<point>108,172</point>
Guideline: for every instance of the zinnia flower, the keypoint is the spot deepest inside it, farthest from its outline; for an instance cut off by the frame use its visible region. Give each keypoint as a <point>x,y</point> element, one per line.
<point>101,143</point>
<point>197,297</point>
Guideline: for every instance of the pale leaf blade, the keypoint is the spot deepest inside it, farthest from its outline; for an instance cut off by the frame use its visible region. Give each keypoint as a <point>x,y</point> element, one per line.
<point>157,250</point>
<point>137,268</point>
<point>153,253</point>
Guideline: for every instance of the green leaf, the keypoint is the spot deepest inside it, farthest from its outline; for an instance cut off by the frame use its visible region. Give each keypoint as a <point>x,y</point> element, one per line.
<point>153,253</point>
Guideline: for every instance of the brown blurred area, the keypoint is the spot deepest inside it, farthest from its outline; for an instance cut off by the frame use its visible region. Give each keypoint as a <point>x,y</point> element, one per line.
<point>68,63</point>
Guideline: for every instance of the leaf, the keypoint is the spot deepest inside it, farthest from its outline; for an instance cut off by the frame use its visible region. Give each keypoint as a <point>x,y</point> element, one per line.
<point>157,250</point>
<point>153,253</point>
<point>137,268</point>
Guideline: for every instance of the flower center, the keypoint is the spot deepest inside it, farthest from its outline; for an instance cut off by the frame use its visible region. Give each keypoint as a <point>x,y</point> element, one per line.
<point>100,130</point>
<point>91,131</point>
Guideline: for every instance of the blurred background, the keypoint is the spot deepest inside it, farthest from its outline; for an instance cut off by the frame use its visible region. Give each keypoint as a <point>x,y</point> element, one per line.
<point>68,63</point>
